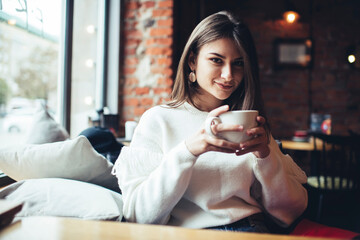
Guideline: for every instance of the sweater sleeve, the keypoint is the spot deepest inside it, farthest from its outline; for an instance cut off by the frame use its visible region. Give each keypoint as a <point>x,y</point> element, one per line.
<point>152,182</point>
<point>280,192</point>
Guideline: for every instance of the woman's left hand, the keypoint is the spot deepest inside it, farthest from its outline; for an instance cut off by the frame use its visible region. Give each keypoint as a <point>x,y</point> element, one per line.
<point>257,145</point>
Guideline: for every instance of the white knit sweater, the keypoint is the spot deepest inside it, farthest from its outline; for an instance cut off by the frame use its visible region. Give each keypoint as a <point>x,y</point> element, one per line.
<point>163,183</point>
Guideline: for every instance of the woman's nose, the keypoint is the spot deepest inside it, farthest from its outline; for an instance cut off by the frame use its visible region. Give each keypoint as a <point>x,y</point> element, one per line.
<point>226,72</point>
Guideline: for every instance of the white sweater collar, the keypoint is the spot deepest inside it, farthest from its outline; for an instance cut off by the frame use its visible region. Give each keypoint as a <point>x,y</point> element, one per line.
<point>194,110</point>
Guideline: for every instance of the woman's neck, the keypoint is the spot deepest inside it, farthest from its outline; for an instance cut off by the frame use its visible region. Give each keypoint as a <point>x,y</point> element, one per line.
<point>206,104</point>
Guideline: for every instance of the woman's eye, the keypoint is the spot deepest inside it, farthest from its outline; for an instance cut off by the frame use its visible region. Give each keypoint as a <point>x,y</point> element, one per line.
<point>239,63</point>
<point>216,60</point>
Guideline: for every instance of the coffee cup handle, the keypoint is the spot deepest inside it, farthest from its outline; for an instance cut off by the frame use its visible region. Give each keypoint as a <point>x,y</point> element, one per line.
<point>210,121</point>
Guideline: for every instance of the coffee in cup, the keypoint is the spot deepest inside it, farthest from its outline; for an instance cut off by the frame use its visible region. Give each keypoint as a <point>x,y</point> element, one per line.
<point>246,118</point>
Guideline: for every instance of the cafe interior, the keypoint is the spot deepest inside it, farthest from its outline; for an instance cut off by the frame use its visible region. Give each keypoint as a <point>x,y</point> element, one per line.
<point>309,62</point>
<point>308,53</point>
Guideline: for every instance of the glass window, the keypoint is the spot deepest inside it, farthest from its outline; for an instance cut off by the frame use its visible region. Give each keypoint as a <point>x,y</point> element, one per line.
<point>29,52</point>
<point>31,64</point>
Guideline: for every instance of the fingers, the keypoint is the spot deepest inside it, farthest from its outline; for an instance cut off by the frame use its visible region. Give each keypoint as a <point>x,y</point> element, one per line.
<point>258,144</point>
<point>217,128</point>
<point>217,111</point>
<point>202,142</point>
<point>220,145</point>
<point>252,145</point>
<point>261,120</point>
<point>258,140</point>
<point>259,130</point>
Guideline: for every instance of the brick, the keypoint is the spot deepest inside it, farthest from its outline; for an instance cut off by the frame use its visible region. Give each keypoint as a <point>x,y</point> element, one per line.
<point>162,13</point>
<point>133,34</point>
<point>156,32</point>
<point>131,102</point>
<point>128,91</point>
<point>159,51</point>
<point>166,4</point>
<point>165,22</point>
<point>164,61</point>
<point>131,81</point>
<point>146,101</point>
<point>142,90</point>
<point>131,42</point>
<point>138,111</point>
<point>159,41</point>
<point>130,25</point>
<point>129,15</point>
<point>132,5</point>
<point>129,70</point>
<point>165,71</point>
<point>148,4</point>
<point>163,100</point>
<point>131,61</point>
<point>165,81</point>
<point>160,91</point>
<point>130,51</point>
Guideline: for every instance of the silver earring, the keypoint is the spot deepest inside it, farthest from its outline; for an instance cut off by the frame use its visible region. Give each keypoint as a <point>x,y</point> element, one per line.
<point>192,77</point>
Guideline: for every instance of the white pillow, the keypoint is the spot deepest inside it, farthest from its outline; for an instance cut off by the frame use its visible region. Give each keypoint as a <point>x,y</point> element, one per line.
<point>44,129</point>
<point>64,198</point>
<point>73,159</point>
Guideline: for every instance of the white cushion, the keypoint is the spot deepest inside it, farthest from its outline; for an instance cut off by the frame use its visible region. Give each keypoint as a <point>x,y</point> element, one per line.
<point>73,159</point>
<point>44,129</point>
<point>64,198</point>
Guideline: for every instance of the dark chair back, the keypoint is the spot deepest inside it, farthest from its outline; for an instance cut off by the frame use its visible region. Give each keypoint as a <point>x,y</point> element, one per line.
<point>335,177</point>
<point>337,163</point>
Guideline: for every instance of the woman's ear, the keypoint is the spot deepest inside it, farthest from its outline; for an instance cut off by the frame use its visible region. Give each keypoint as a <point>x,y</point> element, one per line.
<point>192,61</point>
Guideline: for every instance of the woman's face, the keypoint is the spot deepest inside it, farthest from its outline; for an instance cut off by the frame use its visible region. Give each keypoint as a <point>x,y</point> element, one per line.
<point>219,69</point>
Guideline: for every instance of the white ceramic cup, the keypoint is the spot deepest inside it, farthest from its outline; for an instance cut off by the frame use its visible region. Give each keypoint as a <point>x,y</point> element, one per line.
<point>246,118</point>
<point>129,129</point>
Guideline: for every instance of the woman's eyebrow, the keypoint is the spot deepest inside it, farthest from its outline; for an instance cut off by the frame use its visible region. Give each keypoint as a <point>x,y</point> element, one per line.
<point>217,54</point>
<point>221,56</point>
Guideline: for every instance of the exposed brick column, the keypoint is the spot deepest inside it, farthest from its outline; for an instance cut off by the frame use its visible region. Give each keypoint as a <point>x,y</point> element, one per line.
<point>146,72</point>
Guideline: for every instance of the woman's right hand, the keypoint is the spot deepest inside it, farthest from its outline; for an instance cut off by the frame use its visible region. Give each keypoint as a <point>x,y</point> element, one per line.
<point>202,142</point>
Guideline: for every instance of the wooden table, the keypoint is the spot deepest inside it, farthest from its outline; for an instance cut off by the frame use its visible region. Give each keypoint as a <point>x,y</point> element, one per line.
<point>54,228</point>
<point>301,146</point>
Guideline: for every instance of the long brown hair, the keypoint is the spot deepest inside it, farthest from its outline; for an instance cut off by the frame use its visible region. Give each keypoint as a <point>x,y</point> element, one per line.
<point>217,26</point>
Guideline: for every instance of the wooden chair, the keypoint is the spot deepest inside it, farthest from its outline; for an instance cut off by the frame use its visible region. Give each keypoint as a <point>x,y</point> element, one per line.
<point>336,170</point>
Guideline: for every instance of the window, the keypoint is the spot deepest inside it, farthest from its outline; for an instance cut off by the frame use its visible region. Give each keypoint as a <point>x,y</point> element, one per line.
<point>39,63</point>
<point>29,50</point>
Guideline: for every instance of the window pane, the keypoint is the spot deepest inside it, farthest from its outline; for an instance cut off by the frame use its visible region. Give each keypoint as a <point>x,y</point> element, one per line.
<point>84,64</point>
<point>29,49</point>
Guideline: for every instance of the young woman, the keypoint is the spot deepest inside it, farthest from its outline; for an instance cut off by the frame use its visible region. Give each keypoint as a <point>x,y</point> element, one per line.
<point>174,173</point>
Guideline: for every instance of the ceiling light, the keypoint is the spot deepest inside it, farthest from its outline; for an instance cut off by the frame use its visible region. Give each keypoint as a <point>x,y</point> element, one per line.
<point>351,58</point>
<point>291,16</point>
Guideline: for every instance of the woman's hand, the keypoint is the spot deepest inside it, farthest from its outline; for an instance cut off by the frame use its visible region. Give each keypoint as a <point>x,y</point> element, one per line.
<point>257,145</point>
<point>202,142</point>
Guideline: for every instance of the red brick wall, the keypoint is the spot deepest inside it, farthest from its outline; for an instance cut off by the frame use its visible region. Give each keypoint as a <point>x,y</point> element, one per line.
<point>334,87</point>
<point>285,91</point>
<point>146,73</point>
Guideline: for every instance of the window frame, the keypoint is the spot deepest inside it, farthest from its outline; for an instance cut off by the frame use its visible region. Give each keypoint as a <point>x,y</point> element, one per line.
<point>107,75</point>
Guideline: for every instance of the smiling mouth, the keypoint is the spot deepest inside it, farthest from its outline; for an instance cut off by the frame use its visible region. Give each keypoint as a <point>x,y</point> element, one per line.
<point>224,86</point>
